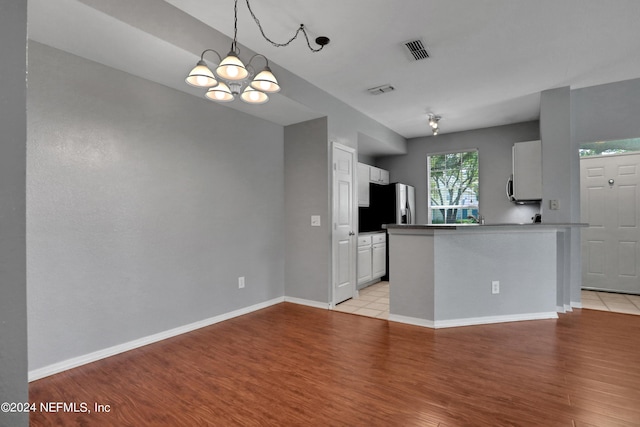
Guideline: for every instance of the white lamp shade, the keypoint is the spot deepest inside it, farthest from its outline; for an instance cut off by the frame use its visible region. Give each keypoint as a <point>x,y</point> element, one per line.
<point>201,76</point>
<point>220,93</point>
<point>232,68</point>
<point>252,96</point>
<point>265,81</point>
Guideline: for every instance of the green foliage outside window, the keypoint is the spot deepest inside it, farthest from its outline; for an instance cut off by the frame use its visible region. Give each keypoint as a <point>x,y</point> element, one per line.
<point>601,148</point>
<point>453,187</point>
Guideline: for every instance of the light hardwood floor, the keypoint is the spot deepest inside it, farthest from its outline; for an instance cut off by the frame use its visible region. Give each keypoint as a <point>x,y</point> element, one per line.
<point>291,365</point>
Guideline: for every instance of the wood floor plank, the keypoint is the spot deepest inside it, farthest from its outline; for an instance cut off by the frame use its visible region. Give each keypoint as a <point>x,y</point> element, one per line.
<point>294,365</point>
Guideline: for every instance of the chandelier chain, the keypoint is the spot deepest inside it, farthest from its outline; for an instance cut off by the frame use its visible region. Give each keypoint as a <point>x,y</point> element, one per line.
<point>295,36</point>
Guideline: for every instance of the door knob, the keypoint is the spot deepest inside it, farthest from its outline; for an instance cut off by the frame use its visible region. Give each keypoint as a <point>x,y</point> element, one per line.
<point>351,233</point>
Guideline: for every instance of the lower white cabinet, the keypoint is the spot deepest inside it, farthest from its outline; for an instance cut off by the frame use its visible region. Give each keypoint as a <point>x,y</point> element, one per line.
<point>364,259</point>
<point>372,255</point>
<point>378,258</point>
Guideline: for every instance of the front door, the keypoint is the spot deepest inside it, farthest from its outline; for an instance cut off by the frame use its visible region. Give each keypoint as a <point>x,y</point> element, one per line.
<point>343,231</point>
<point>610,204</point>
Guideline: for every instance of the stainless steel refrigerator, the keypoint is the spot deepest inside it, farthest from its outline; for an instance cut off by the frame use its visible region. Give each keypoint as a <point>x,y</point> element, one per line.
<point>388,204</point>
<point>395,203</point>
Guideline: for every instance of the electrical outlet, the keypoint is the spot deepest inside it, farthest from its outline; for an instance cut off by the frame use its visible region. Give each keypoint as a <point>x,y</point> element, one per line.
<point>495,287</point>
<point>315,220</point>
<point>240,282</point>
<point>554,205</point>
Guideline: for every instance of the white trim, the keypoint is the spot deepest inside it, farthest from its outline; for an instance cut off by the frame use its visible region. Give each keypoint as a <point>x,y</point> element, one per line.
<point>567,307</point>
<point>472,320</point>
<point>316,304</point>
<point>411,320</point>
<point>575,304</point>
<point>560,309</point>
<point>55,368</point>
<point>495,319</point>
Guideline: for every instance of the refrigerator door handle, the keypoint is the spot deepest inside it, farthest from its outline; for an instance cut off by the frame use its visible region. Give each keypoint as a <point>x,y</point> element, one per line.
<point>409,214</point>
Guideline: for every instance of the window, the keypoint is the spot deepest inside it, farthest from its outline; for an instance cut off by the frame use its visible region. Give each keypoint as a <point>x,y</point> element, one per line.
<point>453,187</point>
<point>603,148</point>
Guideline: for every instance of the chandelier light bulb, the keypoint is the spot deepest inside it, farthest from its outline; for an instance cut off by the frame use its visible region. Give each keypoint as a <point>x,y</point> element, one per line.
<point>265,81</point>
<point>252,96</point>
<point>201,76</point>
<point>232,68</point>
<point>220,93</point>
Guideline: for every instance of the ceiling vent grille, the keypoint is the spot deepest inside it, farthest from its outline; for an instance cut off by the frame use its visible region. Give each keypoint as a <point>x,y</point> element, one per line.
<point>381,89</point>
<point>416,50</point>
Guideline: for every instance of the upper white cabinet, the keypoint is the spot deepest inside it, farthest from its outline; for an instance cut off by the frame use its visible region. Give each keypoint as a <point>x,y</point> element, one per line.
<point>363,184</point>
<point>366,175</point>
<point>527,171</point>
<point>378,176</point>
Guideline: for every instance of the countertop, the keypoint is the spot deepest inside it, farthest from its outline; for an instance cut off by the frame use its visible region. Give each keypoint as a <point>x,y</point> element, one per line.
<point>368,233</point>
<point>483,226</point>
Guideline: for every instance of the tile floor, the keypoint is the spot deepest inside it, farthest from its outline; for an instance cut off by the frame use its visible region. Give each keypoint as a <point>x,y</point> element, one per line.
<point>607,301</point>
<point>373,302</point>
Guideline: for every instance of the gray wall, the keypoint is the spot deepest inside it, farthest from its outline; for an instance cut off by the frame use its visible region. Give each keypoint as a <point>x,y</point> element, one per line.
<point>494,151</point>
<point>524,263</point>
<point>145,205</point>
<point>557,154</point>
<point>561,181</point>
<point>13,123</point>
<point>606,112</point>
<point>308,254</point>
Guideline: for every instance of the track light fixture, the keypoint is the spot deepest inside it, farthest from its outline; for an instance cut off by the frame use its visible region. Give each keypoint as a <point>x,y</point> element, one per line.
<point>433,122</point>
<point>231,77</point>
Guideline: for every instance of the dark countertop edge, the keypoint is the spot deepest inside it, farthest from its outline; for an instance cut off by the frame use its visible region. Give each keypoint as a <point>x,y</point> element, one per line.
<point>368,233</point>
<point>479,226</point>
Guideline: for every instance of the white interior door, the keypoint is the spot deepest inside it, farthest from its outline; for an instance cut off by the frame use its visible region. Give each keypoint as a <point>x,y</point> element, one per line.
<point>610,204</point>
<point>344,221</point>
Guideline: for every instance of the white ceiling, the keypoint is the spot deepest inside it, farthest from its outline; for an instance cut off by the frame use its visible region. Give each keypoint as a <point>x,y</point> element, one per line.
<point>490,59</point>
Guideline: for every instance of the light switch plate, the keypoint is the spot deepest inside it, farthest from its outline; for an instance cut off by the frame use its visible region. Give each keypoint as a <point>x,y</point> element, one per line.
<point>554,205</point>
<point>315,220</point>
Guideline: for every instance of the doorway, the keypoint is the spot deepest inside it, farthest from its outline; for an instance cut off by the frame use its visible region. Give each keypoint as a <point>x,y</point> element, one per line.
<point>610,204</point>
<point>344,223</point>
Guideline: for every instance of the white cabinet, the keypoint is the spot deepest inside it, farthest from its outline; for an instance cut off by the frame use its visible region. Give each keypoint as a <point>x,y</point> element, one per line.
<point>378,176</point>
<point>372,256</point>
<point>366,175</point>
<point>378,255</point>
<point>364,259</point>
<point>527,171</point>
<point>363,185</point>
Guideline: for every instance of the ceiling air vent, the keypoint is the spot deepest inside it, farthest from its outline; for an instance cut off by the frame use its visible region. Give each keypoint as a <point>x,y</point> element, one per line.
<point>381,89</point>
<point>416,50</point>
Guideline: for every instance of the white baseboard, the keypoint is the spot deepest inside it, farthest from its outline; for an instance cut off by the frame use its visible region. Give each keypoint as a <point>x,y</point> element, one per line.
<point>560,309</point>
<point>55,368</point>
<point>495,319</point>
<point>575,304</point>
<point>452,323</point>
<point>316,304</point>
<point>411,320</point>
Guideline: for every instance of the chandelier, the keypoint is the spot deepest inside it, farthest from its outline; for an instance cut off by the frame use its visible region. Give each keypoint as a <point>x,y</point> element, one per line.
<point>433,122</point>
<point>233,78</point>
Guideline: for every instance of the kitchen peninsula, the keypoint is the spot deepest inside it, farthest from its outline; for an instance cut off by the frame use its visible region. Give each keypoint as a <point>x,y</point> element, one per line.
<point>456,275</point>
